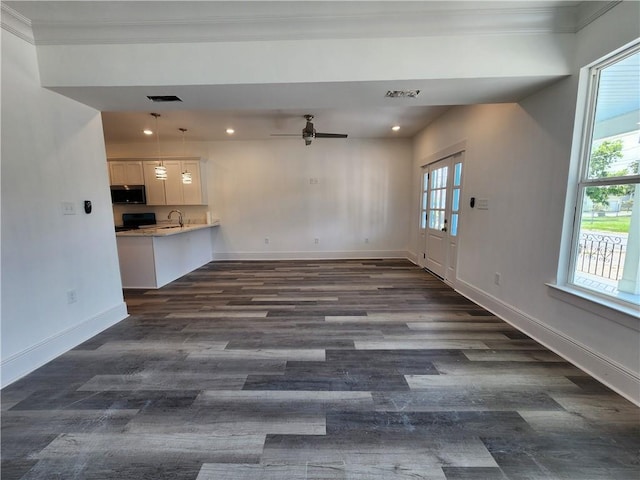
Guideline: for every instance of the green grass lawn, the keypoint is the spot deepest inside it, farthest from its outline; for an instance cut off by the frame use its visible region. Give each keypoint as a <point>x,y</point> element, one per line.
<point>606,224</point>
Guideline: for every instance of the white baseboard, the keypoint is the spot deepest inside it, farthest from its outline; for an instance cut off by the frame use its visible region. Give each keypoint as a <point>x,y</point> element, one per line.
<point>617,377</point>
<point>20,364</point>
<point>310,255</point>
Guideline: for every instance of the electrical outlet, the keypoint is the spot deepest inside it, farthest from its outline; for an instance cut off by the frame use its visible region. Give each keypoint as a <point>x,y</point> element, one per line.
<point>317,240</point>
<point>366,240</point>
<point>313,181</point>
<point>72,296</point>
<point>496,278</point>
<point>266,241</point>
<point>68,208</point>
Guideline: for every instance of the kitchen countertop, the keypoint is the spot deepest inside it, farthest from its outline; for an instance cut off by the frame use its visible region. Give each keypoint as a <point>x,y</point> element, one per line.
<point>166,230</point>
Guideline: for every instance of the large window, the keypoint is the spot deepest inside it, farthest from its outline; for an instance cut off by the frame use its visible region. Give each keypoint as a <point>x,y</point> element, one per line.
<point>605,250</point>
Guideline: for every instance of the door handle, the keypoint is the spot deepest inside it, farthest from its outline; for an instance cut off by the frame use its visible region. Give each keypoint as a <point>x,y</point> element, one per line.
<point>443,229</point>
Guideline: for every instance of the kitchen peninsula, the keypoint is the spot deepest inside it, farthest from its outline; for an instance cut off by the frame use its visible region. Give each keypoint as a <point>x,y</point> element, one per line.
<point>153,257</point>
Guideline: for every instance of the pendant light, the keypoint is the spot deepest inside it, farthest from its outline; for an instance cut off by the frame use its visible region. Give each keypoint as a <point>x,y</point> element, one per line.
<point>161,170</point>
<point>186,175</point>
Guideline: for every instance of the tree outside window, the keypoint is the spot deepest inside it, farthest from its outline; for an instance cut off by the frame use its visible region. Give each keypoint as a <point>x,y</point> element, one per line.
<point>601,160</point>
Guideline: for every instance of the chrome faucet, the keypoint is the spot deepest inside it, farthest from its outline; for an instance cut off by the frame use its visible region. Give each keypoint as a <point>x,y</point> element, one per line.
<point>179,217</point>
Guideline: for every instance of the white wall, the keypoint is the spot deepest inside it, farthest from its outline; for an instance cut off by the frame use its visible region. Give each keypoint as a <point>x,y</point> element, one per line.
<point>52,152</point>
<point>518,158</point>
<point>262,190</point>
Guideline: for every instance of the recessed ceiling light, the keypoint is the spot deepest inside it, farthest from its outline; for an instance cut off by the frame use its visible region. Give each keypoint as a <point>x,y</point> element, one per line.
<point>230,131</point>
<point>146,131</point>
<point>395,128</point>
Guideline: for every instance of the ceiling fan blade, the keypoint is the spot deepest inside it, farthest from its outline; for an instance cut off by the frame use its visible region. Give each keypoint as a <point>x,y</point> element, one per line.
<point>309,132</point>
<point>331,135</point>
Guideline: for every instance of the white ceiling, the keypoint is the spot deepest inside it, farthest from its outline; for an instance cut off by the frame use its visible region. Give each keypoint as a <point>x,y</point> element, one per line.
<point>258,110</point>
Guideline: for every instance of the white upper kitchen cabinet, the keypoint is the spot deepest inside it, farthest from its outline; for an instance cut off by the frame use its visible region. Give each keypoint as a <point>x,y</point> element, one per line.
<point>173,184</point>
<point>195,192</point>
<point>126,173</point>
<point>173,190</point>
<point>153,186</point>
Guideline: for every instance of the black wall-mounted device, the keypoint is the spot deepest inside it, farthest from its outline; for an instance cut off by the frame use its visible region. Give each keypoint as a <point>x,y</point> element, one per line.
<point>472,202</point>
<point>87,206</point>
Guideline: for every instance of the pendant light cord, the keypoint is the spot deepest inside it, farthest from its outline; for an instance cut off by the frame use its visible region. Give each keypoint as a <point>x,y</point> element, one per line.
<point>183,130</point>
<point>186,175</point>
<point>156,115</point>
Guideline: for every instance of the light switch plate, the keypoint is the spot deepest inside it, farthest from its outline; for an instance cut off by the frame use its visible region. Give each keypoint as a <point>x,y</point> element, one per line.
<point>68,208</point>
<point>482,204</point>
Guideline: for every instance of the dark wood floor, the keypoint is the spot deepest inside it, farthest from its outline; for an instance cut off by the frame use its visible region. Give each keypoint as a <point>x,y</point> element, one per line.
<point>313,370</point>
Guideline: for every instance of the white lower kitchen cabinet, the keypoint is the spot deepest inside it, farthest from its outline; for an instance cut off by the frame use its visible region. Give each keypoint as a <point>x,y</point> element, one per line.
<point>151,258</point>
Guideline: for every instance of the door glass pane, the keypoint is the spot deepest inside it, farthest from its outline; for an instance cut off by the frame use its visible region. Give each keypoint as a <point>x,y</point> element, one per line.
<point>425,200</point>
<point>436,219</point>
<point>457,175</point>
<point>438,198</point>
<point>439,178</point>
<point>456,200</point>
<point>454,224</point>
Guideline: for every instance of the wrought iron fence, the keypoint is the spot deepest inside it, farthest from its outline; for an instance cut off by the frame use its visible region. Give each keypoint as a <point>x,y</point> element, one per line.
<point>601,255</point>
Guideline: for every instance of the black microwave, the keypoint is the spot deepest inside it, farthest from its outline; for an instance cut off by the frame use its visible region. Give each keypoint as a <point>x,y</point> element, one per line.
<point>129,194</point>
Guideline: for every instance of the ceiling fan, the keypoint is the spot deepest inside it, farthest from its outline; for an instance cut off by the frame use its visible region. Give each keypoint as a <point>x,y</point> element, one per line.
<point>309,132</point>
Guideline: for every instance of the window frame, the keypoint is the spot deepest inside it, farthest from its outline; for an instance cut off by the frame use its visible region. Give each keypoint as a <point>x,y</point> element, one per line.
<point>580,181</point>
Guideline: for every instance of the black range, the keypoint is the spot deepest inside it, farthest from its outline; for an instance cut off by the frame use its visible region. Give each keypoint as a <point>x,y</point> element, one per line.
<point>133,221</point>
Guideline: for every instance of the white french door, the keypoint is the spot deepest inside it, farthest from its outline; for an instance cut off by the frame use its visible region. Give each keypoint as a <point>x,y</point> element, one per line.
<point>440,220</point>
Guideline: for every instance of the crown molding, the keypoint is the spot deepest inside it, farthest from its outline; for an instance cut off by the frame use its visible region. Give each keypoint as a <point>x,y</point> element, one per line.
<point>15,23</point>
<point>174,22</point>
<point>587,12</point>
<point>171,25</point>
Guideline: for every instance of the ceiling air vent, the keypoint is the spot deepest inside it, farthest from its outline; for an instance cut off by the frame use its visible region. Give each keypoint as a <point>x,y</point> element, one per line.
<point>402,93</point>
<point>164,98</point>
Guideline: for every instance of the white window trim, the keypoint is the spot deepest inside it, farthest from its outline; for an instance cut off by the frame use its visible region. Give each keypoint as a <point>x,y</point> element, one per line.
<point>609,307</point>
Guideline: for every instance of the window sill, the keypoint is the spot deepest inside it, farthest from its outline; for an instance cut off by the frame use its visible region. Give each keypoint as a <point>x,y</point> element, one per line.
<point>627,316</point>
